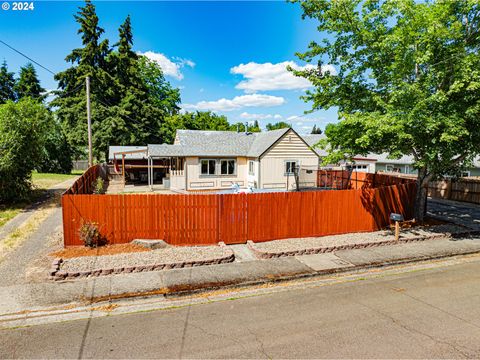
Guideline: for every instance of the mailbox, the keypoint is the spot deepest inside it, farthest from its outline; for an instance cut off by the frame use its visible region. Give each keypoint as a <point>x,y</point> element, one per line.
<point>396,217</point>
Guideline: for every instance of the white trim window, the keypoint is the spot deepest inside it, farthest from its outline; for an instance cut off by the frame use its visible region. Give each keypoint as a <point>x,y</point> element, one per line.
<point>251,167</point>
<point>359,167</point>
<point>290,166</point>
<point>207,166</point>
<point>227,167</point>
<point>465,174</point>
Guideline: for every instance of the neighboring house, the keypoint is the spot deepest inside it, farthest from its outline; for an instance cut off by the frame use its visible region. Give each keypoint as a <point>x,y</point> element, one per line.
<point>380,162</point>
<point>216,160</point>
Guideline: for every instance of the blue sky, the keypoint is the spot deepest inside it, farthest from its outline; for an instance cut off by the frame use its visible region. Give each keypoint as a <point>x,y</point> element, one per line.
<point>225,56</point>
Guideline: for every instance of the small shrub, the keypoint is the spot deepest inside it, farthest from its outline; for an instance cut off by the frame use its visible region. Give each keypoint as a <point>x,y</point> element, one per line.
<point>99,186</point>
<point>90,235</point>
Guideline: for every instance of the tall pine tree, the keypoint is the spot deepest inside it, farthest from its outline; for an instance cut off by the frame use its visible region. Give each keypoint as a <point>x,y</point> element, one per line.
<point>7,84</point>
<point>89,60</point>
<point>28,85</point>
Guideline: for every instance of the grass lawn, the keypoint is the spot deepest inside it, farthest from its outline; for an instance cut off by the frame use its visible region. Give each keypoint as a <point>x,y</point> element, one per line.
<point>40,182</point>
<point>44,181</point>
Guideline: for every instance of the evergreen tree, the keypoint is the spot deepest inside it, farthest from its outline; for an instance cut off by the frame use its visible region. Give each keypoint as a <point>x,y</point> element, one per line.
<point>316,130</point>
<point>136,117</point>
<point>28,84</point>
<point>7,84</point>
<point>89,60</point>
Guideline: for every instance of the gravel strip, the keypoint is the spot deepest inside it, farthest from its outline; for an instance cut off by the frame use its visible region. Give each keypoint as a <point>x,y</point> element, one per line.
<point>297,244</point>
<point>170,255</point>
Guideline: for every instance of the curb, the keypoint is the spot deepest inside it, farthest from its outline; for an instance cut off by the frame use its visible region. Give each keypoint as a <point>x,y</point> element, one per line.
<point>57,274</point>
<point>271,254</point>
<point>185,290</point>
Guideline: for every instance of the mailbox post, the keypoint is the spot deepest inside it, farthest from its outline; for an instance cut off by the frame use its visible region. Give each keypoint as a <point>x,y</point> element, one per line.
<point>396,218</point>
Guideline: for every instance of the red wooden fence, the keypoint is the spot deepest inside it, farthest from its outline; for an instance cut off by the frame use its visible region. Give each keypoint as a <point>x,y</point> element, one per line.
<point>236,218</point>
<point>85,183</point>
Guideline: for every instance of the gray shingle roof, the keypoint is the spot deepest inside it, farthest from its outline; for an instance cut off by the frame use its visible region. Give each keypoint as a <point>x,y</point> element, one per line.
<point>134,156</point>
<point>217,143</point>
<point>165,150</point>
<point>312,140</point>
<point>264,140</point>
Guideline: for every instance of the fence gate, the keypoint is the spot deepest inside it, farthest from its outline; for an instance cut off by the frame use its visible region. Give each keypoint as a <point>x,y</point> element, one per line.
<point>233,218</point>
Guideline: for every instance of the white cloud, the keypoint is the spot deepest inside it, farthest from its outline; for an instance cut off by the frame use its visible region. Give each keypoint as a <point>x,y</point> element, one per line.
<point>170,67</point>
<point>238,102</point>
<point>249,116</point>
<point>268,76</point>
<point>305,119</point>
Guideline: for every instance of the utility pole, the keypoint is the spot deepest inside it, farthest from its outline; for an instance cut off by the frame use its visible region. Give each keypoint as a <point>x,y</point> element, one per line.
<point>89,121</point>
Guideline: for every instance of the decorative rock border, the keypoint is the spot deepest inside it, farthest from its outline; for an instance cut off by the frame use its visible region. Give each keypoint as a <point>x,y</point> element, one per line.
<point>57,274</point>
<point>270,255</point>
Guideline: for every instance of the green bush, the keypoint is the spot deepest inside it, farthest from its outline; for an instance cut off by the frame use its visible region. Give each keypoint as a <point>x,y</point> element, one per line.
<point>90,235</point>
<point>23,129</point>
<point>57,153</point>
<point>99,186</point>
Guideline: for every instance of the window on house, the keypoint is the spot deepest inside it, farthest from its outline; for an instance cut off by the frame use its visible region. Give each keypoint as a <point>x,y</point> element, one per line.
<point>227,167</point>
<point>358,168</point>
<point>290,166</point>
<point>465,173</point>
<point>207,166</point>
<point>251,167</point>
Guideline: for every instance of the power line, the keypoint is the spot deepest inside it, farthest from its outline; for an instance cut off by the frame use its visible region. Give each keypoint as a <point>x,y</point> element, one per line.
<point>29,58</point>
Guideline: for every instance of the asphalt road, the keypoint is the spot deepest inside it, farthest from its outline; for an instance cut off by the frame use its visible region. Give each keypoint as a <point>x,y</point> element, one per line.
<point>422,314</point>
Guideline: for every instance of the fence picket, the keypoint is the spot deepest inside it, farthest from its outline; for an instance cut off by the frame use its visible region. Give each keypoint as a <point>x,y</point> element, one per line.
<point>234,218</point>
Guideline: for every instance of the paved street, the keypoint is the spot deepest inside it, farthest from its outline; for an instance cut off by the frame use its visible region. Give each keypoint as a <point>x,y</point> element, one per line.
<point>415,314</point>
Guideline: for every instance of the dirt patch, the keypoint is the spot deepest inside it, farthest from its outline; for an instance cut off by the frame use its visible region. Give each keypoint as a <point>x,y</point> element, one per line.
<point>80,251</point>
<point>428,221</point>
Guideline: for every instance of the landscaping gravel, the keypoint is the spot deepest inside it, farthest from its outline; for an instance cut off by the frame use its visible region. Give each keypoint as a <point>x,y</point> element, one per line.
<point>296,244</point>
<point>168,255</point>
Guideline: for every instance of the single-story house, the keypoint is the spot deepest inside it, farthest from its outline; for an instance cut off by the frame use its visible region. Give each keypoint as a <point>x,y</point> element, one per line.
<point>216,160</point>
<point>381,162</point>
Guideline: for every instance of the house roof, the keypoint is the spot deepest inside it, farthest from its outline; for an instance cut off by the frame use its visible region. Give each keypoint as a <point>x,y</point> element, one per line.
<point>312,140</point>
<point>263,141</point>
<point>165,150</point>
<point>217,143</point>
<point>135,156</point>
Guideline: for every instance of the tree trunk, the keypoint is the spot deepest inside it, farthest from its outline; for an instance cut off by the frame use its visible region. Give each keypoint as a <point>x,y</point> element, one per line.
<point>421,196</point>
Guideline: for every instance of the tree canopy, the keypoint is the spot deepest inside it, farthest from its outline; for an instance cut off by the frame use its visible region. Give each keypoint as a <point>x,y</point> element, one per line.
<point>407,81</point>
<point>130,97</point>
<point>23,129</point>
<point>28,85</point>
<point>316,130</point>
<point>7,84</point>
<point>278,125</point>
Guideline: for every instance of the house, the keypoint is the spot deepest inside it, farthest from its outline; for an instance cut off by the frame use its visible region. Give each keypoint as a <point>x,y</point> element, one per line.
<point>381,162</point>
<point>216,160</point>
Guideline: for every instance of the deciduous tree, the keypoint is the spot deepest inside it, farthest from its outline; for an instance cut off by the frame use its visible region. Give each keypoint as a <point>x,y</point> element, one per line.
<point>278,125</point>
<point>407,82</point>
<point>23,129</point>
